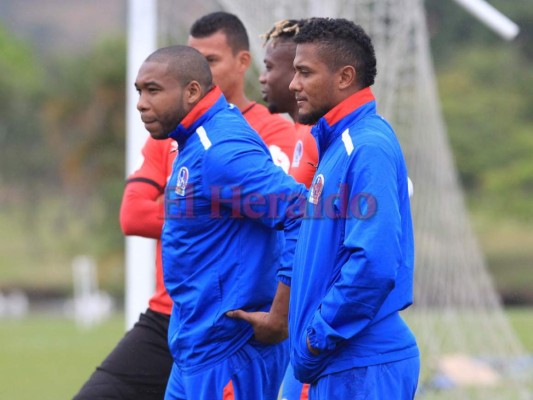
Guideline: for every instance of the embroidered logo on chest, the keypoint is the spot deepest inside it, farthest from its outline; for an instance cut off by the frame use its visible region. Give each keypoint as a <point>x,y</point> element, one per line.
<point>316,189</point>
<point>183,178</point>
<point>298,152</point>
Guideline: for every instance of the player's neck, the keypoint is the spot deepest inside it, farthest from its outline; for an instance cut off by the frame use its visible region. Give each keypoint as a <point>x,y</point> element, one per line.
<point>294,115</point>
<point>241,101</point>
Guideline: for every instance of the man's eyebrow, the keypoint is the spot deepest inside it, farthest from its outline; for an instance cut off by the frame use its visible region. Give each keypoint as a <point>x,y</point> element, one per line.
<point>149,83</point>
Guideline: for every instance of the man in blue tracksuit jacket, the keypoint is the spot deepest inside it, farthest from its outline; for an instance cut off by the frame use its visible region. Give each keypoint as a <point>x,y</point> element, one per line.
<point>231,222</point>
<point>354,260</point>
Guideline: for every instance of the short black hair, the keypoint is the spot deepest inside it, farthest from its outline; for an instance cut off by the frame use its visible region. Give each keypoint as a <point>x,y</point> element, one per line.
<point>185,64</point>
<point>229,24</point>
<point>341,42</point>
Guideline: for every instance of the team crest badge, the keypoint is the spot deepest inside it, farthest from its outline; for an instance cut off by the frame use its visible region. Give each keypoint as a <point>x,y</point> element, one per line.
<point>183,178</point>
<point>316,189</point>
<point>298,152</point>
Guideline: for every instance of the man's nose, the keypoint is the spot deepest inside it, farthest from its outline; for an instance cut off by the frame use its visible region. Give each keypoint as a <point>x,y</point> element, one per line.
<point>141,103</point>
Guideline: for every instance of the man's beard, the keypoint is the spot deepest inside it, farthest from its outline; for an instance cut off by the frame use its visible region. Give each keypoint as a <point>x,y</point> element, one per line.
<point>273,108</point>
<point>312,117</point>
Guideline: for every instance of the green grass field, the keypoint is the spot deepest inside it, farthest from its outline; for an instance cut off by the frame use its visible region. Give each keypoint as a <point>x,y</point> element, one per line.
<point>48,358</point>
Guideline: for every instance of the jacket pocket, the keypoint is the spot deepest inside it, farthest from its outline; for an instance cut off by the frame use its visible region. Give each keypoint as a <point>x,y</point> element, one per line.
<point>307,366</point>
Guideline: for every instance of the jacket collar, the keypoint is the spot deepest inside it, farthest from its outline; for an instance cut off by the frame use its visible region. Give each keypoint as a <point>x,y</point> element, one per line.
<point>210,104</point>
<point>340,117</point>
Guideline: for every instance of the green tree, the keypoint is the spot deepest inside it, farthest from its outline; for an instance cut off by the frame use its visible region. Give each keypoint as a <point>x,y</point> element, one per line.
<point>84,123</point>
<point>62,165</point>
<point>485,87</point>
<point>22,162</point>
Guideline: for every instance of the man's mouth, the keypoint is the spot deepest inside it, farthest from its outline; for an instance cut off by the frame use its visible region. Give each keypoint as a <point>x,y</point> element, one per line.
<point>148,121</point>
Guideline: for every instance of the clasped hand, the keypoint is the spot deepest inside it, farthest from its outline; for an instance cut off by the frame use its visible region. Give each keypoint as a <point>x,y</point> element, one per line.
<point>268,328</point>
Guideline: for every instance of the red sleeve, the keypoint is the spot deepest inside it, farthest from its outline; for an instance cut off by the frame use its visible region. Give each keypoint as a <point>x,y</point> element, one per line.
<point>305,156</point>
<point>142,208</point>
<point>277,132</point>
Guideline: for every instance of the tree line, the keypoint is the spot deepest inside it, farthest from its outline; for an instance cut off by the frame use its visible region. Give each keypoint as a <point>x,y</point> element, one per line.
<point>62,128</point>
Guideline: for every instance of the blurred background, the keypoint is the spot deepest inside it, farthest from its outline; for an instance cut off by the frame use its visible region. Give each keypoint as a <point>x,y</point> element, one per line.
<point>62,157</point>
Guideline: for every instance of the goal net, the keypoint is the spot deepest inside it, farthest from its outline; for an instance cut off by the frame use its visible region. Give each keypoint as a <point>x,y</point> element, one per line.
<point>469,350</point>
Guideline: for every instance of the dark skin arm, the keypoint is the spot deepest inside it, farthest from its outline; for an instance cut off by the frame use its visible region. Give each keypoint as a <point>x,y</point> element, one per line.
<point>269,327</point>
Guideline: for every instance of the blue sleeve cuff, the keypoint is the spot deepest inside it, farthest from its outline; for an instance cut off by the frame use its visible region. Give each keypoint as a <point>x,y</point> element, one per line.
<point>286,280</point>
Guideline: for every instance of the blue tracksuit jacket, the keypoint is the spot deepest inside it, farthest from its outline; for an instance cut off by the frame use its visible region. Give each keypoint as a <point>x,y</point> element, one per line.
<point>353,269</point>
<point>224,248</point>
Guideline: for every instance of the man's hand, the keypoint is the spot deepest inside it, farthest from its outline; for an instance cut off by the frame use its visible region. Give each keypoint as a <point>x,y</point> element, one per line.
<point>311,349</point>
<point>267,328</point>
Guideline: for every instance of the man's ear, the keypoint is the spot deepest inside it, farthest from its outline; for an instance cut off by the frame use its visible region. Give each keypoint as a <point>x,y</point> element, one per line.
<point>193,93</point>
<point>245,59</point>
<point>347,77</point>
